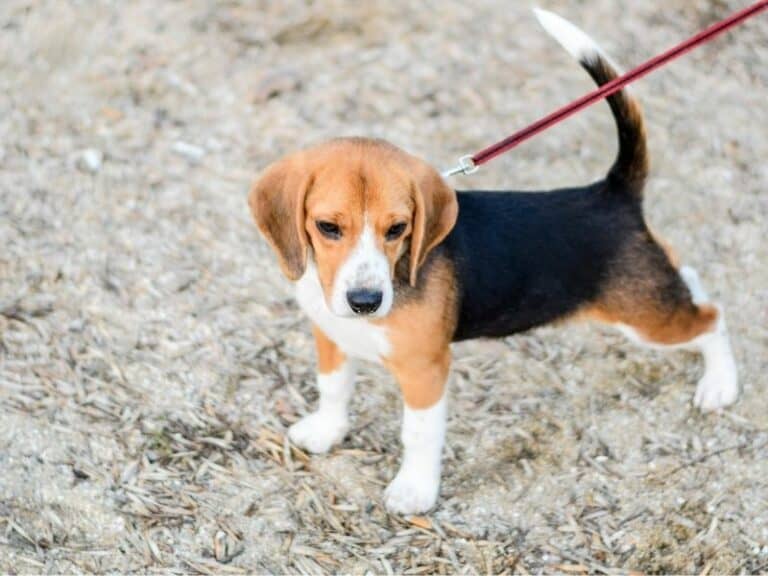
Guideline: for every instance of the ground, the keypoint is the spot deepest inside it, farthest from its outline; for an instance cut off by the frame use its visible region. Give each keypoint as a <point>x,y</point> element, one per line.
<point>152,357</point>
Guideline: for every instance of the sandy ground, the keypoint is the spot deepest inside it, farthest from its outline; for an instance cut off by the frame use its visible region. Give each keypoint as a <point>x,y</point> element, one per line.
<point>151,355</point>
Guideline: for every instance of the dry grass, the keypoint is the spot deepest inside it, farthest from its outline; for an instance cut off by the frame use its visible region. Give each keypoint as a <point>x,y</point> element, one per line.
<point>151,357</point>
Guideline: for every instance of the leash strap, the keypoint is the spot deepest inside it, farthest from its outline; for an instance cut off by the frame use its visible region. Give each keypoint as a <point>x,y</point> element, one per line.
<point>471,163</point>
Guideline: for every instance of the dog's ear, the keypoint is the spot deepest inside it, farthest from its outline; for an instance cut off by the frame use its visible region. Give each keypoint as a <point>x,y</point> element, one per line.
<point>277,204</point>
<point>434,215</point>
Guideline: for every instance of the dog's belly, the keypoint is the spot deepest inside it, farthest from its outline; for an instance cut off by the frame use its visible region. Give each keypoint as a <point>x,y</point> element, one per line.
<point>356,337</point>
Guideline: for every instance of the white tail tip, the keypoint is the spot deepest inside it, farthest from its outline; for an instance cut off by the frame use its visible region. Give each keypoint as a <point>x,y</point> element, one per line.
<point>576,42</point>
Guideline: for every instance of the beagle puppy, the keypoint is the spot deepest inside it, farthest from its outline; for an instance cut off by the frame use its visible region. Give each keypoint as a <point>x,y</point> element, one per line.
<point>391,265</point>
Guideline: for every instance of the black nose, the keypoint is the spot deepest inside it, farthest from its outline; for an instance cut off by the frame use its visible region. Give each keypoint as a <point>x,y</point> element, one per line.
<point>364,301</point>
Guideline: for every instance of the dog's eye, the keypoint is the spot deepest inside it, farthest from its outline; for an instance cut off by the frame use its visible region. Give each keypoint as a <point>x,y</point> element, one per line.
<point>329,229</point>
<point>395,231</point>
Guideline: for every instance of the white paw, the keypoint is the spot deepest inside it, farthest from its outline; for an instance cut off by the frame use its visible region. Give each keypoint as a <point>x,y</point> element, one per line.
<point>717,388</point>
<point>318,432</point>
<point>411,492</point>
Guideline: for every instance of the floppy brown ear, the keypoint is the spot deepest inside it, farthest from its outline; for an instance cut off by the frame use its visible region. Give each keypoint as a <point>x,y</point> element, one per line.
<point>434,215</point>
<point>277,205</point>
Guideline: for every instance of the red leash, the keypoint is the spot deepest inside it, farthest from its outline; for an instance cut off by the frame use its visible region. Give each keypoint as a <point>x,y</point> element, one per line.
<point>469,164</point>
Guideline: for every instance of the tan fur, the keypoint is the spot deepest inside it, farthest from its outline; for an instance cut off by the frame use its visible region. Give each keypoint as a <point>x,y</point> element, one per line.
<point>434,217</point>
<point>653,324</point>
<point>348,181</point>
<point>645,292</point>
<point>277,205</point>
<point>638,171</point>
<point>329,356</point>
<point>421,364</point>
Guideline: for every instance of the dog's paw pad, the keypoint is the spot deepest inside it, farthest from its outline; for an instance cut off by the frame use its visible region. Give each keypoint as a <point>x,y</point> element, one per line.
<point>411,493</point>
<point>318,432</point>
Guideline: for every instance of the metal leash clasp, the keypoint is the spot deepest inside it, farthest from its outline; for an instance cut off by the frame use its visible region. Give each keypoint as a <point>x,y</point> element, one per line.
<point>466,166</point>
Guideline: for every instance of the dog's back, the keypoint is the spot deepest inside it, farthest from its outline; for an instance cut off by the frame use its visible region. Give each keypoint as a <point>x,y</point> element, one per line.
<point>525,259</point>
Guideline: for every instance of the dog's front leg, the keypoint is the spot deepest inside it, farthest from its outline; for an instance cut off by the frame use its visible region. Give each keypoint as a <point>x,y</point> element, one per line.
<point>320,430</point>
<point>423,385</point>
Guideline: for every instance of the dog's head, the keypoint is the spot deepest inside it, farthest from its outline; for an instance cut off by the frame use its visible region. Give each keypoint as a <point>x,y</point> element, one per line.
<point>353,207</point>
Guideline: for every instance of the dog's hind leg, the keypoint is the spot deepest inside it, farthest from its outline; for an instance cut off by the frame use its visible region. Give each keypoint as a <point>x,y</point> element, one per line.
<point>669,309</point>
<point>718,386</point>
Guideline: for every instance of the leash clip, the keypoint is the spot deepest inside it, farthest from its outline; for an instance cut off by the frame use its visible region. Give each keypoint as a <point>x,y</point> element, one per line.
<point>466,166</point>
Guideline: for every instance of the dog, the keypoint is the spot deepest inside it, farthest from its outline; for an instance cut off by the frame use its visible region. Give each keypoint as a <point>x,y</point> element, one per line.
<point>392,265</point>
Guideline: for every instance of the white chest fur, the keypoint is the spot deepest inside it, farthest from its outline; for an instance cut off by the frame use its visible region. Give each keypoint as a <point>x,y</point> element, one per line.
<point>356,337</point>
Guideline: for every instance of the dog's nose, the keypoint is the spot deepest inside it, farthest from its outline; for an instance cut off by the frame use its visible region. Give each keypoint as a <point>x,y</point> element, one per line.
<point>364,301</point>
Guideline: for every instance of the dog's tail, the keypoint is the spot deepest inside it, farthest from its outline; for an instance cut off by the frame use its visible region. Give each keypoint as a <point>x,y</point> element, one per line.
<point>631,166</point>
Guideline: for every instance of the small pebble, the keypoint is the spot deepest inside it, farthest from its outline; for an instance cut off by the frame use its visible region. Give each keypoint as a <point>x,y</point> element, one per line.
<point>90,160</point>
<point>189,151</point>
